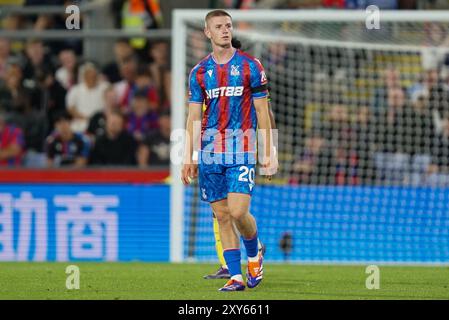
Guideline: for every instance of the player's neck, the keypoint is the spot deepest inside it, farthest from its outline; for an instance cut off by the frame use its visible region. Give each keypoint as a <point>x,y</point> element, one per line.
<point>223,55</point>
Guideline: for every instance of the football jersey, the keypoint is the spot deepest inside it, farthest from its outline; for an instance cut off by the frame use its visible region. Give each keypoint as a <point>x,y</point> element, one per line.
<point>228,91</point>
<point>8,136</point>
<point>65,152</point>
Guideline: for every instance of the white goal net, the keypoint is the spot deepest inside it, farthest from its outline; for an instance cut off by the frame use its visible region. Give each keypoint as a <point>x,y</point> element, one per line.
<point>363,119</point>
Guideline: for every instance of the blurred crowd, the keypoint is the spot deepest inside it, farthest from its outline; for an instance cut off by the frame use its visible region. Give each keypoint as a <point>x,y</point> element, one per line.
<point>56,110</point>
<point>399,136</point>
<point>59,110</point>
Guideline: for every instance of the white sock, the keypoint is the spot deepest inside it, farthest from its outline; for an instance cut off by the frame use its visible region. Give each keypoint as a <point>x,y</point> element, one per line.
<point>237,277</point>
<point>253,259</point>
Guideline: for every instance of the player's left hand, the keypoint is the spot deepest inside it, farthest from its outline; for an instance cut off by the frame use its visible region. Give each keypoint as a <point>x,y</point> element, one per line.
<point>270,169</point>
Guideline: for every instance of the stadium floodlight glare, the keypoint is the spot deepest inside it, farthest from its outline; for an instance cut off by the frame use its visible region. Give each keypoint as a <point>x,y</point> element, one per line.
<point>367,195</point>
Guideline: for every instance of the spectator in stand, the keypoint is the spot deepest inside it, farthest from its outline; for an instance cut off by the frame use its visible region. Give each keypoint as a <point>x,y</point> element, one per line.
<point>116,147</point>
<point>122,52</point>
<point>51,98</point>
<point>155,149</point>
<point>417,136</point>
<point>139,15</point>
<point>391,159</point>
<point>438,171</point>
<point>142,119</point>
<point>390,116</point>
<point>97,124</point>
<point>11,144</point>
<point>14,22</point>
<point>5,55</point>
<point>14,97</point>
<point>425,83</point>
<point>36,62</point>
<point>160,71</point>
<point>439,99</point>
<point>55,22</point>
<point>313,165</point>
<point>145,84</point>
<point>365,144</point>
<point>66,74</point>
<point>22,105</point>
<point>125,89</point>
<point>86,98</point>
<point>391,82</point>
<point>64,147</point>
<point>341,135</point>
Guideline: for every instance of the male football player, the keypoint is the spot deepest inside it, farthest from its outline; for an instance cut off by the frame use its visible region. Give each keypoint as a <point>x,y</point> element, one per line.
<point>233,85</point>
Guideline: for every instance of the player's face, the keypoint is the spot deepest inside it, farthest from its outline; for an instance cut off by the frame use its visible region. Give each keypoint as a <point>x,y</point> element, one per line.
<point>219,31</point>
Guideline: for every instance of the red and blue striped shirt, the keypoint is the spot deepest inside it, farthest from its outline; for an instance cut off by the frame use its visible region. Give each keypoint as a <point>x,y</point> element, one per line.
<point>228,91</point>
<point>11,135</point>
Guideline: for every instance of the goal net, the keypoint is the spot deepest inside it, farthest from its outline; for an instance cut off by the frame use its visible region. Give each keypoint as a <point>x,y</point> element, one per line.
<point>363,127</point>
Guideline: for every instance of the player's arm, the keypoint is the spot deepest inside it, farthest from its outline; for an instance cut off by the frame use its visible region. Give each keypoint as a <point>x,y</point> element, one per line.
<point>190,168</point>
<point>264,122</point>
<point>272,121</point>
<point>196,99</point>
<point>265,118</point>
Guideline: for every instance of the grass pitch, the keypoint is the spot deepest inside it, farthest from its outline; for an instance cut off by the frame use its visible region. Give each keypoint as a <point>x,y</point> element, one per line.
<point>116,281</point>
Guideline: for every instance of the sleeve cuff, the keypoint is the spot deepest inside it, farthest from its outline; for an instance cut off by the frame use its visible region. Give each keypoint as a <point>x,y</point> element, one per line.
<point>196,102</point>
<point>260,95</point>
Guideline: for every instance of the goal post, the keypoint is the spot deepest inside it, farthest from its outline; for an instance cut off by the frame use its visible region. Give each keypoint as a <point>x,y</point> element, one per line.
<point>353,186</point>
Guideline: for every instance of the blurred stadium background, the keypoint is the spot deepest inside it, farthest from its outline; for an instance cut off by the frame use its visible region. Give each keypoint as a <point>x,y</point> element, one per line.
<point>86,116</point>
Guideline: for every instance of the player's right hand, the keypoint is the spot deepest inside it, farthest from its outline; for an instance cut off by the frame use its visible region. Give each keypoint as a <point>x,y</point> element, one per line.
<point>189,171</point>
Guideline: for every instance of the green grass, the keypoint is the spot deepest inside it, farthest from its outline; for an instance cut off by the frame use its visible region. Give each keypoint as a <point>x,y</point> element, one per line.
<point>184,281</point>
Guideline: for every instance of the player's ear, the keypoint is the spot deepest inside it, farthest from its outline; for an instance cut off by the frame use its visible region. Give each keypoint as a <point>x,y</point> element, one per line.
<point>207,31</point>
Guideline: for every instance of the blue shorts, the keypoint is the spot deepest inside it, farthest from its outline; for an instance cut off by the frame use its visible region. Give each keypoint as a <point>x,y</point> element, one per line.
<point>216,180</point>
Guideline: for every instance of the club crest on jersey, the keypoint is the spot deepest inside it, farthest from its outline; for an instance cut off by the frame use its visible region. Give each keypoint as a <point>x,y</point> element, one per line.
<point>209,72</point>
<point>235,70</point>
<point>224,92</point>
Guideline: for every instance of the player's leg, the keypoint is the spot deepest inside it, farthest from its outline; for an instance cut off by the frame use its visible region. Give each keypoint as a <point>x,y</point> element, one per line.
<point>222,272</point>
<point>212,181</point>
<point>246,224</point>
<point>231,246</point>
<point>240,180</point>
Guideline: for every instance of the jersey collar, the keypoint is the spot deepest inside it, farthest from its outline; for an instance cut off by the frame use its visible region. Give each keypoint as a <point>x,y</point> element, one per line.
<point>222,64</point>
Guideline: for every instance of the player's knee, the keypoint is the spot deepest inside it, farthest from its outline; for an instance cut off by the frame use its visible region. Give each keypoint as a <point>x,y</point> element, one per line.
<point>223,216</point>
<point>238,213</point>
